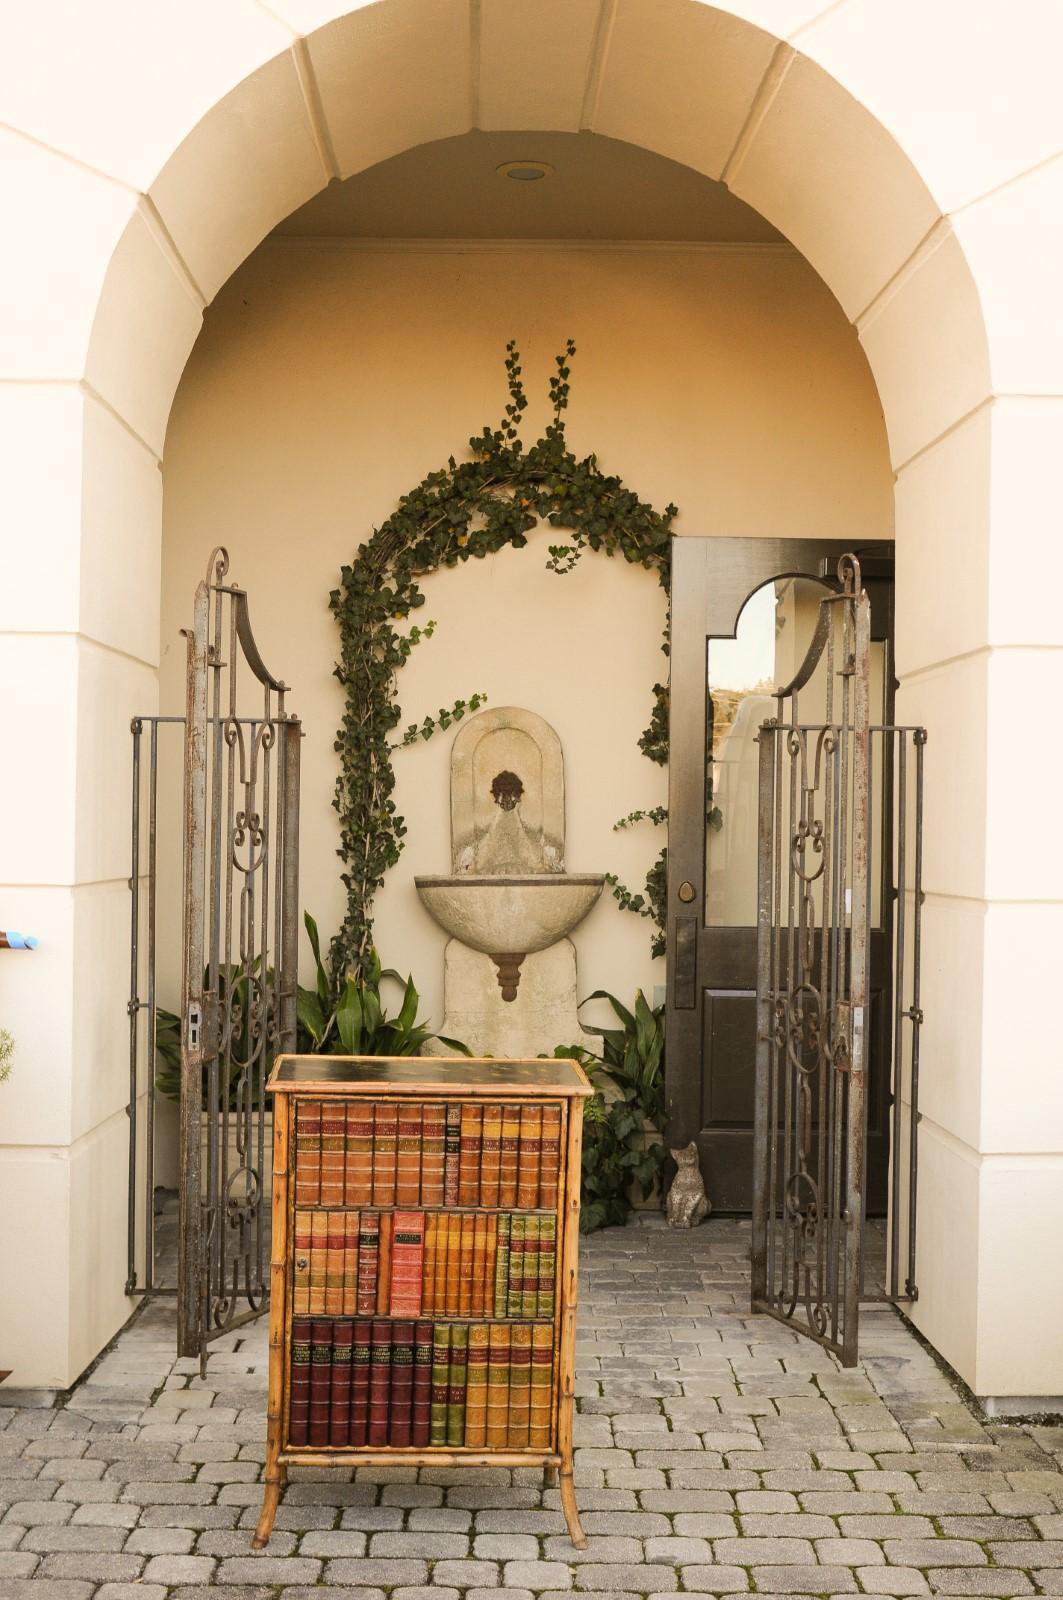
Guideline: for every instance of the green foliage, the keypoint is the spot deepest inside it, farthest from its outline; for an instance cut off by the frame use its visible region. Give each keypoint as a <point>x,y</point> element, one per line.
<point>7,1054</point>
<point>356,1024</point>
<point>463,511</point>
<point>653,902</point>
<point>627,1106</point>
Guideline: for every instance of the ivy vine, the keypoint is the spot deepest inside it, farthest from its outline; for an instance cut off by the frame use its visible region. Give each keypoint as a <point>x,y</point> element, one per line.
<point>464,511</point>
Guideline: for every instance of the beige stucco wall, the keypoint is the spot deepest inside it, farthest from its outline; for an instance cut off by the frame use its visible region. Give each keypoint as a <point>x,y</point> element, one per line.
<point>328,380</point>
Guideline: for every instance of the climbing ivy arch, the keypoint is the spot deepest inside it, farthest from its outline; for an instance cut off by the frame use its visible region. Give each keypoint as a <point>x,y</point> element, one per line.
<point>465,511</point>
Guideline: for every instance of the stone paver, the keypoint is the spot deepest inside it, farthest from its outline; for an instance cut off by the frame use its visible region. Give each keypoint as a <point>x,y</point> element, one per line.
<point>719,1454</point>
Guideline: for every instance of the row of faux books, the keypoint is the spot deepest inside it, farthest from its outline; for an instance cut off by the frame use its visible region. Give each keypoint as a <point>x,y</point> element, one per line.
<point>365,1153</point>
<point>416,1263</point>
<point>356,1383</point>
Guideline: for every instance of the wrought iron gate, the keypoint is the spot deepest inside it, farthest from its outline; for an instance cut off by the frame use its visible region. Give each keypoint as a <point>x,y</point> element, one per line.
<point>834,831</point>
<point>238,970</point>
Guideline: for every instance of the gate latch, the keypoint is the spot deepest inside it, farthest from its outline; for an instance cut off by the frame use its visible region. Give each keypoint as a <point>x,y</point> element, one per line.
<point>195,1020</point>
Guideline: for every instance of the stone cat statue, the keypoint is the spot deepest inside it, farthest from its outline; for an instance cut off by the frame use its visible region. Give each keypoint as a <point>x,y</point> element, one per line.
<point>687,1200</point>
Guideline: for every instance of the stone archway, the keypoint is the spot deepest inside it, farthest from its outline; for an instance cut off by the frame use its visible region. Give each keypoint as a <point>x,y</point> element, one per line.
<point>906,154</point>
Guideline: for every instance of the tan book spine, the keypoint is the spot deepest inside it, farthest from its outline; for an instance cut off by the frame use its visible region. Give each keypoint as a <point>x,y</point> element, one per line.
<point>550,1162</point>
<point>469,1154</point>
<point>335,1241</point>
<point>385,1152</point>
<point>529,1155</point>
<point>351,1222</point>
<point>318,1261</point>
<point>408,1163</point>
<point>358,1176</point>
<point>507,1182</point>
<point>490,1254</point>
<point>520,1387</point>
<point>491,1160</point>
<point>541,1396</point>
<point>452,1278</point>
<point>433,1137</point>
<point>301,1276</point>
<point>383,1282</point>
<point>333,1151</point>
<point>428,1288</point>
<point>466,1263</point>
<point>308,1152</point>
<point>476,1387</point>
<point>479,1264</point>
<point>498,1386</point>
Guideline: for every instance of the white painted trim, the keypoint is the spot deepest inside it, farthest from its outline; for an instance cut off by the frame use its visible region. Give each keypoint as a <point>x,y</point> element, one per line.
<point>326,241</point>
<point>1021,1405</point>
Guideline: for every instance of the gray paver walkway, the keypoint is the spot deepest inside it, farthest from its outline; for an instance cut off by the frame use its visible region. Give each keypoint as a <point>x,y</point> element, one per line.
<point>718,1453</point>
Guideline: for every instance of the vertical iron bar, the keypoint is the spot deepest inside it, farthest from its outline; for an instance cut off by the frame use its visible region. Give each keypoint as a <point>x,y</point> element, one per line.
<point>897,1062</point>
<point>133,1009</point>
<point>858,940</point>
<point>149,1130</point>
<point>916,1014</point>
<point>765,935</point>
<point>289,951</point>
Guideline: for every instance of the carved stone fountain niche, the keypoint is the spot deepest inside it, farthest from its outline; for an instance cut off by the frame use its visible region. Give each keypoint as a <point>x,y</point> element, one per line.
<point>509,904</point>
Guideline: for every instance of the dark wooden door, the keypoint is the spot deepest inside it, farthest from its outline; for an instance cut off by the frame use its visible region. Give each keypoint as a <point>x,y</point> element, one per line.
<point>742,614</point>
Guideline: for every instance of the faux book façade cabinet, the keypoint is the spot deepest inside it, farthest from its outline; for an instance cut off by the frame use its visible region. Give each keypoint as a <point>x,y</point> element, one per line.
<point>425,1252</point>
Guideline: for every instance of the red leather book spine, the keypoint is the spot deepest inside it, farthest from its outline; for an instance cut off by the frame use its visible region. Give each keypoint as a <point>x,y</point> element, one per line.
<point>491,1163</point>
<point>408,1164</point>
<point>433,1141</point>
<point>334,1264</point>
<point>307,1152</point>
<point>379,1382</point>
<point>385,1152</point>
<point>400,1419</point>
<point>299,1383</point>
<point>358,1169</point>
<point>360,1358</point>
<point>320,1381</point>
<point>550,1165</point>
<point>340,1386</point>
<point>368,1258</point>
<point>333,1150</point>
<point>529,1155</point>
<point>407,1263</point>
<point>421,1421</point>
<point>452,1155</point>
<point>469,1134</point>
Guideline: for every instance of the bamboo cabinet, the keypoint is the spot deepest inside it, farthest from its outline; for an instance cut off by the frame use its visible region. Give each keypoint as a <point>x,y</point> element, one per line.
<point>424,1266</point>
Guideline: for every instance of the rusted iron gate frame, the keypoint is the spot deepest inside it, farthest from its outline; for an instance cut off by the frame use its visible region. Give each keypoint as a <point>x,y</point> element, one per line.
<point>237,824</point>
<point>812,986</point>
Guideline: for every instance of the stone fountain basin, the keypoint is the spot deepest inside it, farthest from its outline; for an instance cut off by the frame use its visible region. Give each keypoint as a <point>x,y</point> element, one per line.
<point>507,916</point>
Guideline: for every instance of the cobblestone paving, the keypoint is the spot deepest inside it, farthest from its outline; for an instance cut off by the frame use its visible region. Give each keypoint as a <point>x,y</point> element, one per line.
<point>718,1454</point>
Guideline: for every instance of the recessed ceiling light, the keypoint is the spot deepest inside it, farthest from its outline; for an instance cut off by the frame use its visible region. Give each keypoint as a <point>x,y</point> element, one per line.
<point>525,171</point>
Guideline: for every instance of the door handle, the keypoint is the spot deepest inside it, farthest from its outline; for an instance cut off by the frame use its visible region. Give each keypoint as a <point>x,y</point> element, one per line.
<point>685,964</point>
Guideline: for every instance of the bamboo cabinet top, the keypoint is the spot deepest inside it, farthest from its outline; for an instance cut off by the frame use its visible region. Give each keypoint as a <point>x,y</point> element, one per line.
<point>463,1076</point>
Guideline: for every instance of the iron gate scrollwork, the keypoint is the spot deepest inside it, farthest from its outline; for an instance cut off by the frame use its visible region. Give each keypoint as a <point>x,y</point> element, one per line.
<point>239,957</point>
<point>826,839</point>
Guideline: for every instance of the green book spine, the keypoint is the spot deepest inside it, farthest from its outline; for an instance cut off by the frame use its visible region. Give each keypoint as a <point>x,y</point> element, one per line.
<point>502,1266</point>
<point>547,1265</point>
<point>515,1296</point>
<point>529,1296</point>
<point>459,1347</point>
<point>440,1383</point>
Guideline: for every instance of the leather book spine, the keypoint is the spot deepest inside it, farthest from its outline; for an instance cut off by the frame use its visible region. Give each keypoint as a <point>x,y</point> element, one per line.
<point>340,1386</point>
<point>428,1270</point>
<point>320,1382</point>
<point>351,1226</point>
<point>451,1154</point>
<point>491,1160</point>
<point>459,1353</point>
<point>368,1261</point>
<point>333,1151</point>
<point>318,1261</point>
<point>498,1386</point>
<point>529,1155</point>
<point>407,1263</point>
<point>385,1152</point>
<point>550,1164</point>
<point>358,1173</point>
<point>308,1152</point>
<point>476,1387</point>
<point>520,1386</point>
<point>301,1243</point>
<point>547,1267</point>
<point>360,1359</point>
<point>542,1380</point>
<point>408,1163</point>
<point>336,1241</point>
<point>466,1261</point>
<point>490,1253</point>
<point>379,1382</point>
<point>515,1296</point>
<point>479,1263</point>
<point>469,1135</point>
<point>299,1383</point>
<point>400,1420</point>
<point>529,1296</point>
<point>383,1277</point>
<point>421,1424</point>
<point>501,1306</point>
<point>507,1178</point>
<point>440,1383</point>
<point>433,1141</point>
<point>452,1280</point>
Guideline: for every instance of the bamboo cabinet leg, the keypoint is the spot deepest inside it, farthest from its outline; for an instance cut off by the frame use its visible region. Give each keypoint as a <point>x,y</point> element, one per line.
<point>567,1367</point>
<point>275,1473</point>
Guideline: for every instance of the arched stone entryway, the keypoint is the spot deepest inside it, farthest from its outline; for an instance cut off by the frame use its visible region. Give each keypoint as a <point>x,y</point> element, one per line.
<point>906,153</point>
